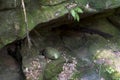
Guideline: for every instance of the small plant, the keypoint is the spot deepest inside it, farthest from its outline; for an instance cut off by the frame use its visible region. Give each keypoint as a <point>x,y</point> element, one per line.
<point>75,13</point>
<point>110,73</point>
<point>110,70</point>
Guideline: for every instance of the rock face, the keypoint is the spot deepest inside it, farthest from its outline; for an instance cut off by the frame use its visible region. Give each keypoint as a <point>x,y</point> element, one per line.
<point>9,67</point>
<point>12,19</point>
<point>92,41</point>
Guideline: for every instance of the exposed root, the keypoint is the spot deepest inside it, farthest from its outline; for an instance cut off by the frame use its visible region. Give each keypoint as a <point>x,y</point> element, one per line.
<point>26,22</point>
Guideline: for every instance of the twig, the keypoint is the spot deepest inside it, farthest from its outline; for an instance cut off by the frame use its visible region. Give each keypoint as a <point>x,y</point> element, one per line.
<point>26,22</point>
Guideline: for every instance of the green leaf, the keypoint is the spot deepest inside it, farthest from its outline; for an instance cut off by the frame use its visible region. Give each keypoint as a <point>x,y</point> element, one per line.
<point>73,13</point>
<point>78,10</point>
<point>77,17</point>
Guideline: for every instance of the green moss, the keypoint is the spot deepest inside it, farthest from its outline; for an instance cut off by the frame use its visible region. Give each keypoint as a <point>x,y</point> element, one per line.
<point>41,77</point>
<point>53,68</point>
<point>76,76</point>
